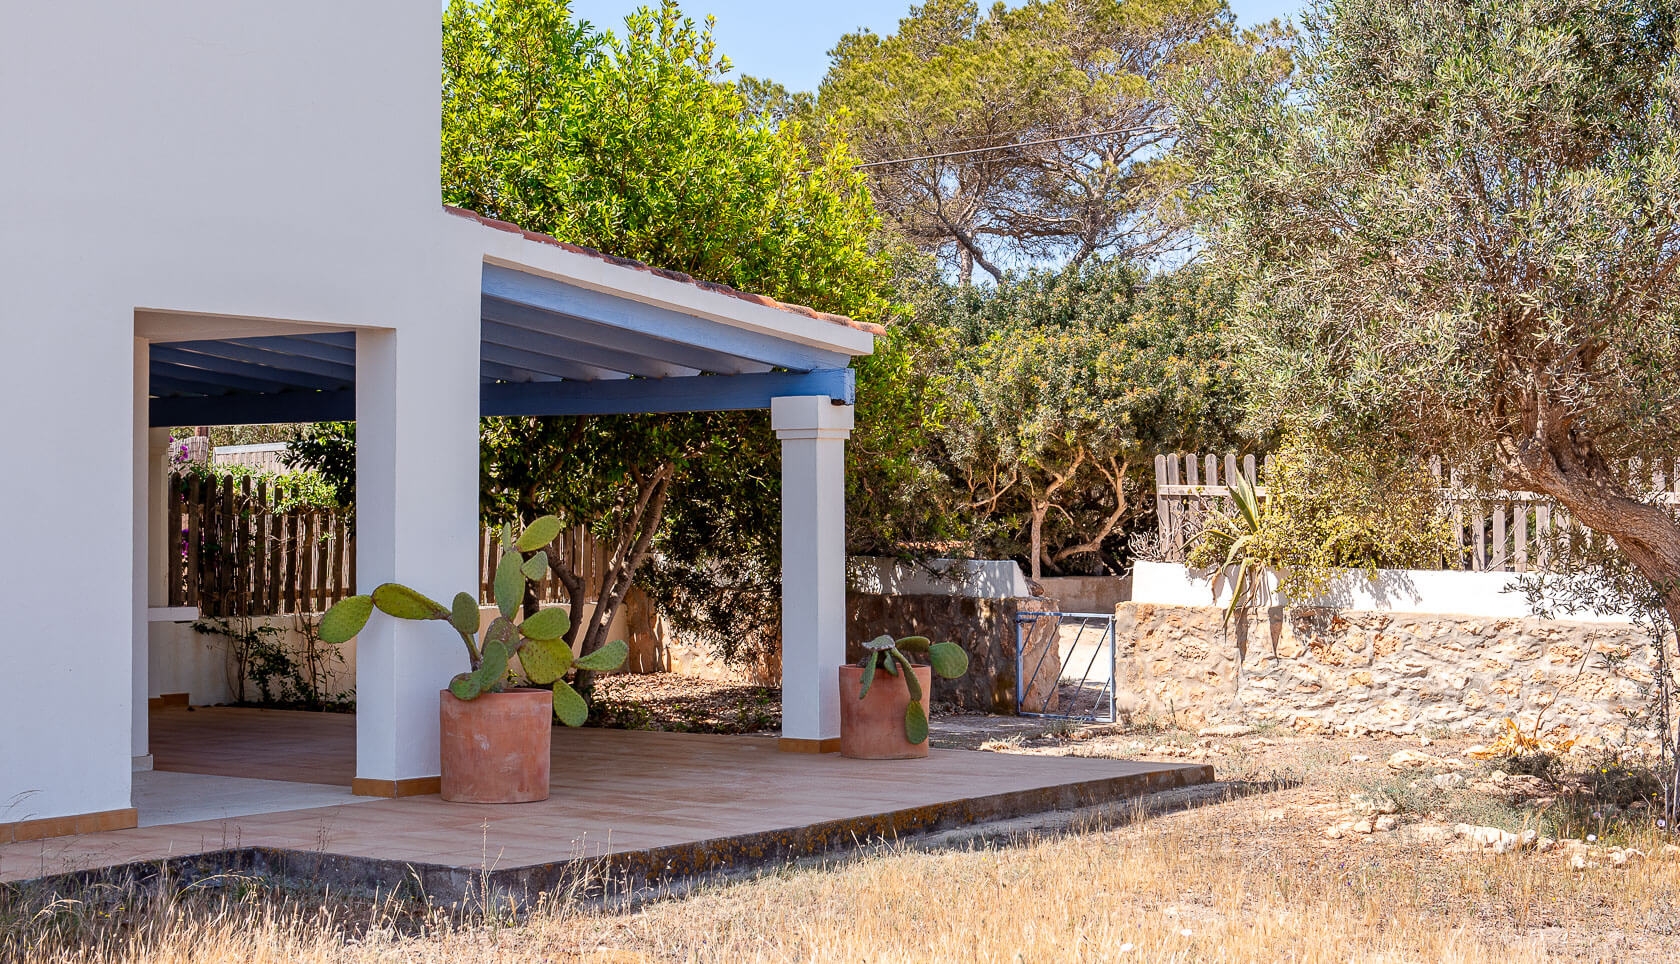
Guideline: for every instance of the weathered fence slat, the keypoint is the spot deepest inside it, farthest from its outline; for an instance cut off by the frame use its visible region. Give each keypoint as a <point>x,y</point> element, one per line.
<point>1491,531</point>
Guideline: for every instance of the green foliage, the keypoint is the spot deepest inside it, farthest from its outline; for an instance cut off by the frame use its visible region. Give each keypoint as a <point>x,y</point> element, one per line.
<point>998,84</point>
<point>1454,226</point>
<point>544,656</point>
<point>890,656</point>
<point>290,676</point>
<point>328,449</point>
<point>1060,388</point>
<point>1328,510</point>
<point>634,143</point>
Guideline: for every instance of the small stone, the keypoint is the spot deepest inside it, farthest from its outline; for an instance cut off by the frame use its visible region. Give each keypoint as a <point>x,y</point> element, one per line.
<point>1359,758</point>
<point>1362,825</point>
<point>1416,760</point>
<point>1478,752</point>
<point>1386,823</point>
<point>1448,781</point>
<point>1499,776</point>
<point>1670,850</point>
<point>1225,729</point>
<point>1372,803</point>
<point>1545,845</point>
<point>1578,861</point>
<point>1432,833</point>
<point>1424,741</point>
<point>1621,858</point>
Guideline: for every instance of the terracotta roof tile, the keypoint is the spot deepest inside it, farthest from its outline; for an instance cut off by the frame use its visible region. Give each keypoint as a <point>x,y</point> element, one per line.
<point>665,273</point>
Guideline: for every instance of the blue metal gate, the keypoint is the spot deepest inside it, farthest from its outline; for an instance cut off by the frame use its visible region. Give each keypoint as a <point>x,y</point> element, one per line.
<point>1064,665</point>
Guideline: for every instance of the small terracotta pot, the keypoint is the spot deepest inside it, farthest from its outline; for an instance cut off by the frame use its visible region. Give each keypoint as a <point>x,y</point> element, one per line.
<point>494,749</point>
<point>873,728</point>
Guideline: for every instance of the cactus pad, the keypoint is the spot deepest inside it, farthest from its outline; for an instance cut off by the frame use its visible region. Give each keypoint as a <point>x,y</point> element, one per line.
<point>606,659</point>
<point>948,660</point>
<point>913,644</point>
<point>464,686</point>
<point>539,533</point>
<point>868,674</point>
<point>568,705</point>
<point>915,720</point>
<point>535,567</point>
<point>509,584</point>
<point>394,599</point>
<point>879,643</point>
<point>345,619</point>
<point>550,623</point>
<point>463,615</point>
<point>545,660</point>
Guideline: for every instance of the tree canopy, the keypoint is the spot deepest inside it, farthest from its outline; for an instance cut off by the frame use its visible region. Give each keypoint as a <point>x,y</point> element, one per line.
<point>634,143</point>
<point>1000,138</point>
<point>1063,386</point>
<point>1454,226</point>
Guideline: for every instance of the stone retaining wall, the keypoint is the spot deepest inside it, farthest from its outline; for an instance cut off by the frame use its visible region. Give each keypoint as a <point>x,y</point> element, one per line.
<point>1362,671</point>
<point>983,627</point>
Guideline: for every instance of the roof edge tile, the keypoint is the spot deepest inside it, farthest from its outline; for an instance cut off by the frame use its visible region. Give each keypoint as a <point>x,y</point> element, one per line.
<point>676,276</point>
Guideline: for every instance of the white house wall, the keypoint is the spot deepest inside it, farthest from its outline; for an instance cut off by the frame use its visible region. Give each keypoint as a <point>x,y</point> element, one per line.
<point>185,159</point>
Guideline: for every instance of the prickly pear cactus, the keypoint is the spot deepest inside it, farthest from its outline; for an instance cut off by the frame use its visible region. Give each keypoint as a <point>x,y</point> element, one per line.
<point>890,656</point>
<point>537,643</point>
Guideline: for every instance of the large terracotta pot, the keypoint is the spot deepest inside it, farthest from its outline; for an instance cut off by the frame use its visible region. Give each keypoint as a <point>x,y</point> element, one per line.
<point>495,748</point>
<point>873,728</point>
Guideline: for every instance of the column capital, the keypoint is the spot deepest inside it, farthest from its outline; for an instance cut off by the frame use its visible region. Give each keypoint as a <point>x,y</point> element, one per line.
<point>810,417</point>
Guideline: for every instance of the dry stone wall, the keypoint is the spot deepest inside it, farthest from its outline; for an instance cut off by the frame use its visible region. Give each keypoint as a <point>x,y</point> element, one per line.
<point>1360,671</point>
<point>983,627</point>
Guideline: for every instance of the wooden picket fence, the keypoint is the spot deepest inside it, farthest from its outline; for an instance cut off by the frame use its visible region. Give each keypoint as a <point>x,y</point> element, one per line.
<point>1495,531</point>
<point>246,549</point>
<point>242,554</point>
<point>583,552</point>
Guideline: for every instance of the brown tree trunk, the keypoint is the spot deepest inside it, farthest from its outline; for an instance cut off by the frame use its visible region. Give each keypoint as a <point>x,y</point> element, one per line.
<point>1570,470</point>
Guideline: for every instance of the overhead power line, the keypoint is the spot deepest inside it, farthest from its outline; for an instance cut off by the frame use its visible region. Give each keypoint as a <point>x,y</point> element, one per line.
<point>1002,147</point>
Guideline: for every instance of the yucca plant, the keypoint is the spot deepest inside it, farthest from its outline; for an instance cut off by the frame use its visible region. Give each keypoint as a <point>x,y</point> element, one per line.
<point>538,640</point>
<point>1248,585</point>
<point>890,656</point>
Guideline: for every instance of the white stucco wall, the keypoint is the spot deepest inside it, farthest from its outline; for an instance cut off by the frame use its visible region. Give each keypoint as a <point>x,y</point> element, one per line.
<point>980,578</point>
<point>1485,594</point>
<point>196,168</point>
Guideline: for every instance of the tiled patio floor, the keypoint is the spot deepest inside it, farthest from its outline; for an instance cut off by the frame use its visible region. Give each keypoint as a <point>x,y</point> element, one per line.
<point>657,802</point>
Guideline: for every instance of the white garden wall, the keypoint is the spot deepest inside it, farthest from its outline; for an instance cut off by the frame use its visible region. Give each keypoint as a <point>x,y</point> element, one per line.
<point>1485,594</point>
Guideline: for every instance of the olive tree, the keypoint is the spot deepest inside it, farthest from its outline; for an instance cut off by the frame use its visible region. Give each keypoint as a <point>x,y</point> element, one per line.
<point>1454,226</point>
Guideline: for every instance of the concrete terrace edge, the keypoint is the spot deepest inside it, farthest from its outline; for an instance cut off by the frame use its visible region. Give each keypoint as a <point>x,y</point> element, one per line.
<point>638,868</point>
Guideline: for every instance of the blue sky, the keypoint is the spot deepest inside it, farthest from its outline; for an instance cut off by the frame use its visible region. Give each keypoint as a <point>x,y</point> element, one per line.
<point>789,42</point>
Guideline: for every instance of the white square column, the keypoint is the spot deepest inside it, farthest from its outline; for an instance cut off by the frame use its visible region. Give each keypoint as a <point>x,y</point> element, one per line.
<point>813,430</point>
<point>417,402</point>
<point>139,728</point>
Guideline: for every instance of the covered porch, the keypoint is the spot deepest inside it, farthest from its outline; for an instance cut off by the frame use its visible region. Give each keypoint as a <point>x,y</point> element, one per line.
<point>556,330</point>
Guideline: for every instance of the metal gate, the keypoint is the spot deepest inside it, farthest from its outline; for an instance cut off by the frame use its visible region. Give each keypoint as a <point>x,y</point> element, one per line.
<point>1064,665</point>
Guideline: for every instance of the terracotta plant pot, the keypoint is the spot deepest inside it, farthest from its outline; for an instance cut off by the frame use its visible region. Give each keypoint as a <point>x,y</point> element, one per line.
<point>494,749</point>
<point>873,728</point>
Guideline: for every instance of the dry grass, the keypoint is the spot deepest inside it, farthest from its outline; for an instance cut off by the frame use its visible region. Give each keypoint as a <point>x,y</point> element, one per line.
<point>1249,880</point>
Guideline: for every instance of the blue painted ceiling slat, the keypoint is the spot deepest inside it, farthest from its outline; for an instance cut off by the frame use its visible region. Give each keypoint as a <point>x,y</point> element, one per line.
<point>695,393</point>
<point>304,346</point>
<point>556,346</point>
<point>512,316</point>
<point>490,371</point>
<point>178,359</point>
<point>544,364</point>
<point>270,356</point>
<point>164,385</point>
<point>649,321</point>
<point>212,381</point>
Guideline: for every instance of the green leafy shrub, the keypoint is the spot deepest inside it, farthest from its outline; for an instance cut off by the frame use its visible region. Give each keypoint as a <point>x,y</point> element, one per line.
<point>1330,508</point>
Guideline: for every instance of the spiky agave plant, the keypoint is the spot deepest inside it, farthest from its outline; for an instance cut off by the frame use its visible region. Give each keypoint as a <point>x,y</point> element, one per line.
<point>889,656</point>
<point>1243,528</point>
<point>538,640</point>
